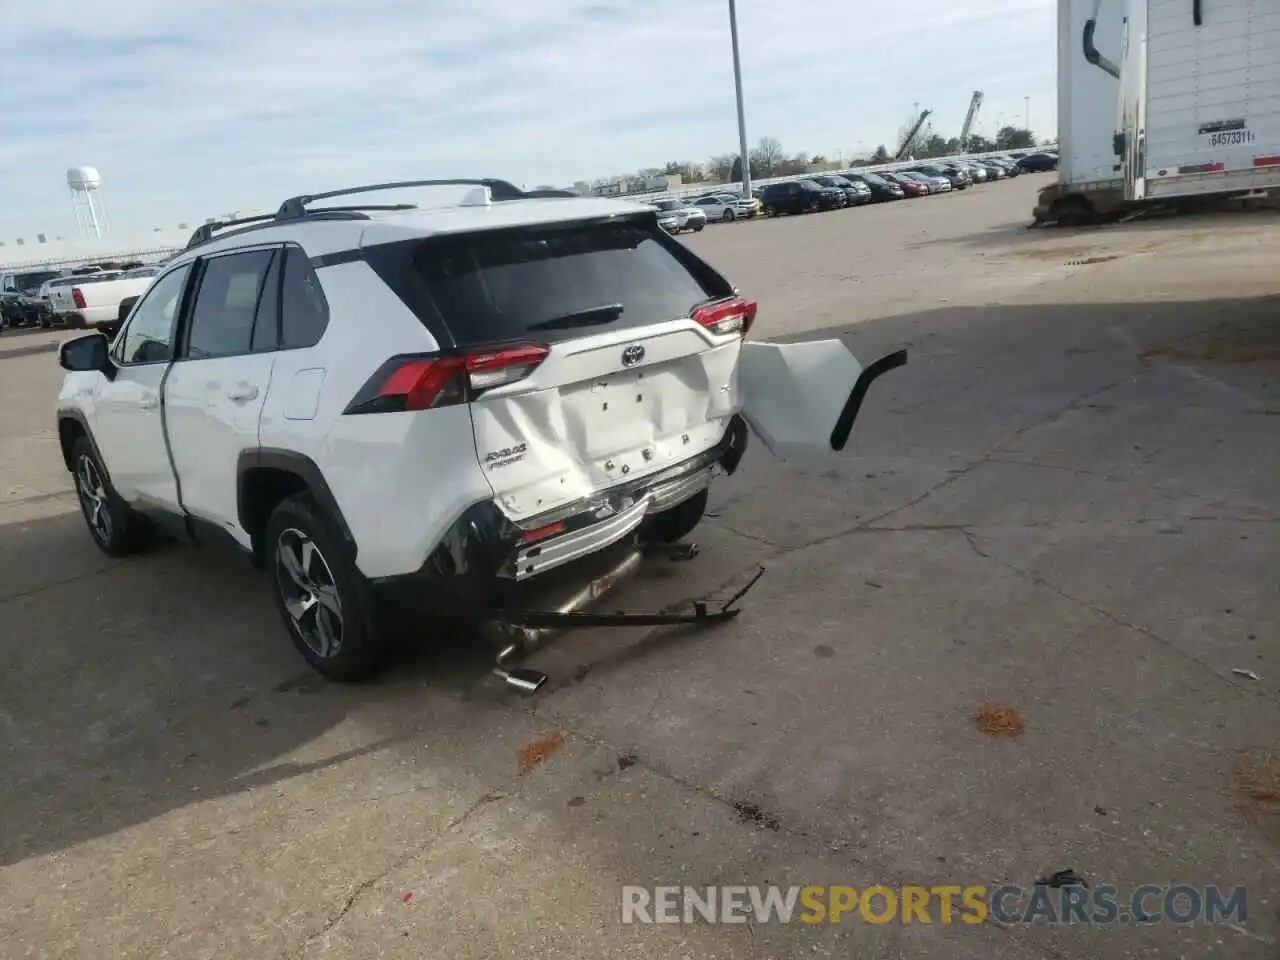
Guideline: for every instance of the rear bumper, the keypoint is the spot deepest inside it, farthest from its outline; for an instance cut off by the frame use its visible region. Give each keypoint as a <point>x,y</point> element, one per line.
<point>484,554</point>
<point>608,518</point>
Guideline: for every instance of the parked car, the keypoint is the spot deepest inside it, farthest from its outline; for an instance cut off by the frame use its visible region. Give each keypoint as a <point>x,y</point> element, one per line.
<point>725,208</point>
<point>934,184</point>
<point>49,313</point>
<point>20,304</point>
<point>94,301</point>
<point>880,188</point>
<point>910,187</point>
<point>1008,164</point>
<point>800,196</point>
<point>751,204</point>
<point>1038,162</point>
<point>855,192</point>
<point>670,221</point>
<point>687,216</point>
<point>436,404</point>
<point>958,178</point>
<point>977,173</point>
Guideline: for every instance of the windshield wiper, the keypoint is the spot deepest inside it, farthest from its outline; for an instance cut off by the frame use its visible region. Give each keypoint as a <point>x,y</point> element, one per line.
<point>590,317</point>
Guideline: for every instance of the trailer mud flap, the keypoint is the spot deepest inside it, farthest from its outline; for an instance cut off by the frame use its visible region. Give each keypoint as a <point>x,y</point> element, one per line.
<point>802,399</point>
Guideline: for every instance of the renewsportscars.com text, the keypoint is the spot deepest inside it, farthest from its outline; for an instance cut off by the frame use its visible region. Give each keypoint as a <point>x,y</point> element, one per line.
<point>945,904</point>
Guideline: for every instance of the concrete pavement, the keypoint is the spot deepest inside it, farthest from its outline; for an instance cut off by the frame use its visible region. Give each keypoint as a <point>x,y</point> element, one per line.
<point>1066,504</point>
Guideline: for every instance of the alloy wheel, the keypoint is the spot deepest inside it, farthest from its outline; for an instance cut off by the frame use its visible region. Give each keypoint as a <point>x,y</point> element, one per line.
<point>93,499</point>
<point>309,592</point>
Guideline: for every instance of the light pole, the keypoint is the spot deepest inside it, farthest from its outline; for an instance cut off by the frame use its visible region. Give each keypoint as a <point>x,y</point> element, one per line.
<point>1026,121</point>
<point>743,155</point>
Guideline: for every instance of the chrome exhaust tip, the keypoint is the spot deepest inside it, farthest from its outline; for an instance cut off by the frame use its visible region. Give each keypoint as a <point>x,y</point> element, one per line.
<point>522,678</point>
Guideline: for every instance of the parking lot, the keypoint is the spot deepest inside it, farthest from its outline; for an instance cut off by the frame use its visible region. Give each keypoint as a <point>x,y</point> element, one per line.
<point>1063,512</point>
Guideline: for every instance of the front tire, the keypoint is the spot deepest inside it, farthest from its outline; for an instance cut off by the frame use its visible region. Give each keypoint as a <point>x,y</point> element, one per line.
<point>115,529</point>
<point>323,600</point>
<point>728,217</point>
<point>677,522</point>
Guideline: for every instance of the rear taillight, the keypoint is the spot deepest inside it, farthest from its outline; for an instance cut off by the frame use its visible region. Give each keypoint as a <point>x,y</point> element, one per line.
<point>734,315</point>
<point>78,297</point>
<point>425,383</point>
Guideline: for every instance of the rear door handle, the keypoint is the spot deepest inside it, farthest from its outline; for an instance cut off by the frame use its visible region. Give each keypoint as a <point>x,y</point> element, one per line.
<point>243,393</point>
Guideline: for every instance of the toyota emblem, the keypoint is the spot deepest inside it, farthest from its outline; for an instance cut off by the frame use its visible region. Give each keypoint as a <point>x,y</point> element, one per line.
<point>632,355</point>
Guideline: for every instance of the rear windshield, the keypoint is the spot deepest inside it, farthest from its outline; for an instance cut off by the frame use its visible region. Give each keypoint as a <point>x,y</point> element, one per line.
<point>554,282</point>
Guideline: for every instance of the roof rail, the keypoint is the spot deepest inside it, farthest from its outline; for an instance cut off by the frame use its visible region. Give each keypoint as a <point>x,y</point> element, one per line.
<point>356,209</point>
<point>204,232</point>
<point>296,207</point>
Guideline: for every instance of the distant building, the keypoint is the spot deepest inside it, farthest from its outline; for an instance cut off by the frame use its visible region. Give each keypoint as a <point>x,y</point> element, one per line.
<point>17,254</point>
<point>629,186</point>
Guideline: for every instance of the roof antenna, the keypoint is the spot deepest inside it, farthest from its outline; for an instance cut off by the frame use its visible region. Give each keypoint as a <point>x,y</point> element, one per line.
<point>477,197</point>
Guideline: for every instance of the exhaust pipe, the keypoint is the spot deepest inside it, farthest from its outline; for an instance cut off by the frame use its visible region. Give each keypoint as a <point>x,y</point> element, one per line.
<point>522,678</point>
<point>512,640</point>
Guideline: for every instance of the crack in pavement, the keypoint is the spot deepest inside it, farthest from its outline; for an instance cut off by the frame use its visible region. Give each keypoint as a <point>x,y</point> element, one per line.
<point>1040,581</point>
<point>490,796</point>
<point>88,574</point>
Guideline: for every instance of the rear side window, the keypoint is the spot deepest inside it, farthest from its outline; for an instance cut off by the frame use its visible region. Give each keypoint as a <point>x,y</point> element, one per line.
<point>304,312</point>
<point>558,282</point>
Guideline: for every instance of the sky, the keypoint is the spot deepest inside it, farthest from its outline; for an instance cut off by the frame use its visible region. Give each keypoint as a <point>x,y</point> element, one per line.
<point>192,108</point>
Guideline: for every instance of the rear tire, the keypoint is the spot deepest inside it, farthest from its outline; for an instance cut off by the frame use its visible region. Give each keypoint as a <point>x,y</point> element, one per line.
<point>324,601</point>
<point>677,522</point>
<point>1072,211</point>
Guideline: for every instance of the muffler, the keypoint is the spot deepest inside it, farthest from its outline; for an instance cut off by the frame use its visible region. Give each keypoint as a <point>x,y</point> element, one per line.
<point>513,640</point>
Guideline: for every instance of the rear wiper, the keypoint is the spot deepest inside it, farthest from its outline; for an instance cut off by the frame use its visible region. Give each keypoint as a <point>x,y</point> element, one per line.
<point>590,317</point>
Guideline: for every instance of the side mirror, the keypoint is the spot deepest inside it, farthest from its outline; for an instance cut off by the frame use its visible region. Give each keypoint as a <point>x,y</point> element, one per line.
<point>84,354</point>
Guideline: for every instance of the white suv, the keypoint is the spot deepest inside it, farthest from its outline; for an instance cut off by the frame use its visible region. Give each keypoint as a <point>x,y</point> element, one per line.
<point>450,401</point>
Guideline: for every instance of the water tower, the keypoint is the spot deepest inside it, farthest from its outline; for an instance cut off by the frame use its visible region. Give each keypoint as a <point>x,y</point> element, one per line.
<point>86,201</point>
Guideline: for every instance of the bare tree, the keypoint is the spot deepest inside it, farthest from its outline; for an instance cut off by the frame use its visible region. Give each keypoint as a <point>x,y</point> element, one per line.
<point>767,157</point>
<point>720,168</point>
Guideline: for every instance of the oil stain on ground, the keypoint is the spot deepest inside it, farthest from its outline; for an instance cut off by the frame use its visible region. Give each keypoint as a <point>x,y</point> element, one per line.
<point>998,721</point>
<point>752,814</point>
<point>1258,778</point>
<point>537,752</point>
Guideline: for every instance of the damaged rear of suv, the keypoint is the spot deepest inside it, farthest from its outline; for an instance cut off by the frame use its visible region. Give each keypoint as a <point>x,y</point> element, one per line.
<point>466,398</point>
<point>597,361</point>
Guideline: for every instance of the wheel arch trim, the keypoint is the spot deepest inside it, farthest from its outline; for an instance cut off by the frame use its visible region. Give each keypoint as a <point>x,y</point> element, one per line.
<point>78,417</point>
<point>306,470</point>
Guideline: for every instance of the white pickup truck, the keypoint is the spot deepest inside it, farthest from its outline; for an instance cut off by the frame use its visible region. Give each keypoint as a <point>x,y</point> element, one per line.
<point>95,301</point>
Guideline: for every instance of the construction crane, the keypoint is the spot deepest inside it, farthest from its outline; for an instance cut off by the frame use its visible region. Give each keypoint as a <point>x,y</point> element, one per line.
<point>911,135</point>
<point>974,104</point>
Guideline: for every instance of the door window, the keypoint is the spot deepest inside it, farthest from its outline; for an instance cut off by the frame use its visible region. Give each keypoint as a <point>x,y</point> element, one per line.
<point>226,304</point>
<point>149,336</point>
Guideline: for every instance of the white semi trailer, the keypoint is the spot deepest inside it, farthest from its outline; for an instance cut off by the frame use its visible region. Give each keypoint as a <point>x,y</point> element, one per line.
<point>1090,184</point>
<point>1199,98</point>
